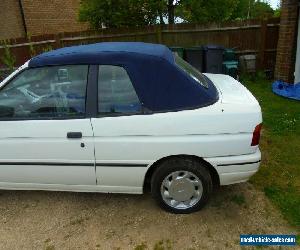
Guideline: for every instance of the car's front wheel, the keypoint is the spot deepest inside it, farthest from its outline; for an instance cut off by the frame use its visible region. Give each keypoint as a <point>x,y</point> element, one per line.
<point>181,185</point>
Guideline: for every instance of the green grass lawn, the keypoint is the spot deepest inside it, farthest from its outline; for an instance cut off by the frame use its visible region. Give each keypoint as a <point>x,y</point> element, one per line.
<point>279,174</point>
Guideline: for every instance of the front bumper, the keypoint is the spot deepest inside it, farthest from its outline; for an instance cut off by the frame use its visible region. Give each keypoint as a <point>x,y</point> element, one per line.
<point>235,169</point>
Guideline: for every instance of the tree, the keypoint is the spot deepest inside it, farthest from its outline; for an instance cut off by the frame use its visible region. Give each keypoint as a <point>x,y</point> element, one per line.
<point>199,11</point>
<point>130,13</point>
<point>252,9</point>
<point>242,10</point>
<point>277,12</point>
<point>120,13</point>
<point>171,6</point>
<point>261,9</point>
<point>127,13</point>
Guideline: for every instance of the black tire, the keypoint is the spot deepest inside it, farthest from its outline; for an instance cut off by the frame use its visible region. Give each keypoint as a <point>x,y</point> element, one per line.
<point>181,164</point>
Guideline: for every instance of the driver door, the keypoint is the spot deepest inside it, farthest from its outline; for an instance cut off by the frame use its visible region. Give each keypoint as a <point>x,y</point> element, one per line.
<point>45,138</point>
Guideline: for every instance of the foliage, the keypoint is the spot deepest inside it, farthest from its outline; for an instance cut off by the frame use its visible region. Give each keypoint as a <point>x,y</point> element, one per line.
<point>261,9</point>
<point>199,11</point>
<point>279,174</point>
<point>277,12</point>
<point>131,13</point>
<point>171,6</point>
<point>252,9</point>
<point>8,59</point>
<point>31,47</point>
<point>47,48</point>
<point>120,13</point>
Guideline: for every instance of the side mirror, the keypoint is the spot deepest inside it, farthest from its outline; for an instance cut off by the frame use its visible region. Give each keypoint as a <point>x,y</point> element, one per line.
<point>6,111</point>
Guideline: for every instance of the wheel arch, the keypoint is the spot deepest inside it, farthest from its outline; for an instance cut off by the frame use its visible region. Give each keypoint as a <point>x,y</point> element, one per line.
<point>154,166</point>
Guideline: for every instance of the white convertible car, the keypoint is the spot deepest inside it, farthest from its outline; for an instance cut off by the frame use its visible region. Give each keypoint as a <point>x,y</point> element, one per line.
<point>125,118</point>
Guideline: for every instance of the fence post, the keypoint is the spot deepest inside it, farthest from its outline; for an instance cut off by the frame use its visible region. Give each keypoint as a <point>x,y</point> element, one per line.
<point>57,44</point>
<point>262,47</point>
<point>158,33</point>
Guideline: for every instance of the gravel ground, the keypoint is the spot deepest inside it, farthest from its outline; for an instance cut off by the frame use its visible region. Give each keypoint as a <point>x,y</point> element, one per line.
<point>58,220</point>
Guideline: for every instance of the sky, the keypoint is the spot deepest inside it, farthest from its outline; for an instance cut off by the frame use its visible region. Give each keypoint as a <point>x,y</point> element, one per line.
<point>274,3</point>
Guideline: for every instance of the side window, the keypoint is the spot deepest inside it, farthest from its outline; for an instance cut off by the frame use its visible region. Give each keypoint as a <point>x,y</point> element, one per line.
<point>46,92</point>
<point>116,94</point>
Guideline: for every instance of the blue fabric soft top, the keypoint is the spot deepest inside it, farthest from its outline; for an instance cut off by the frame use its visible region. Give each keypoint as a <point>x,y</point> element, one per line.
<point>86,52</point>
<point>160,84</point>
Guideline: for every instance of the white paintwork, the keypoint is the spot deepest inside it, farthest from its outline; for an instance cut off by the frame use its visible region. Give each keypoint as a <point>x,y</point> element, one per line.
<point>230,174</point>
<point>46,141</point>
<point>71,188</point>
<point>115,179</point>
<point>297,65</point>
<point>220,134</point>
<point>24,66</point>
<point>232,91</point>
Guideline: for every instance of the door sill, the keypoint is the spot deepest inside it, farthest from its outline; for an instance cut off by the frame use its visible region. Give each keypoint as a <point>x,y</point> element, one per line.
<point>71,188</point>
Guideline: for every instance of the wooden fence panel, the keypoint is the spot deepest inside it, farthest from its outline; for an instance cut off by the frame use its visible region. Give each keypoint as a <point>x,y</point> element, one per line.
<point>248,37</point>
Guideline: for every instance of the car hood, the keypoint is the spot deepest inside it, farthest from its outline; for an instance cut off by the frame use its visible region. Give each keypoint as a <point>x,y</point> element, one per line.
<point>232,91</point>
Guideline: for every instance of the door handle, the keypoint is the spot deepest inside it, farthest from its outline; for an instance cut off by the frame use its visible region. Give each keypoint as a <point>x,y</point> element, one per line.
<point>74,135</point>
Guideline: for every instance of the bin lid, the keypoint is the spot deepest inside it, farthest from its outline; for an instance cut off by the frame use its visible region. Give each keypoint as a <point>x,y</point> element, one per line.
<point>233,62</point>
<point>249,57</point>
<point>229,50</point>
<point>213,47</point>
<point>195,48</point>
<point>176,48</point>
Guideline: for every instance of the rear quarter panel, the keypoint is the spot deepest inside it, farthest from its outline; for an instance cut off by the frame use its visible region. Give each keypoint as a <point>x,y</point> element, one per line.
<point>216,130</point>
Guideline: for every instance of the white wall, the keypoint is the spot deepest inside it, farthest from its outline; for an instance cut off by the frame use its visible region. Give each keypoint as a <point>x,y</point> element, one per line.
<point>297,66</point>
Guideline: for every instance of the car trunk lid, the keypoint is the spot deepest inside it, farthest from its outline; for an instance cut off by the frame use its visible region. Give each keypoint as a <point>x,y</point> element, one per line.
<point>231,91</point>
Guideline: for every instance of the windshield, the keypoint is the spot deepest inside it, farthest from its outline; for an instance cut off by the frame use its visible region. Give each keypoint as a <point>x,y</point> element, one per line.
<point>191,71</point>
